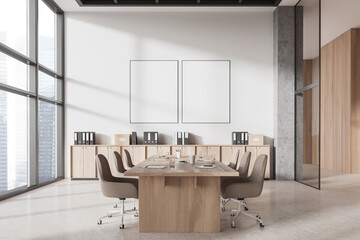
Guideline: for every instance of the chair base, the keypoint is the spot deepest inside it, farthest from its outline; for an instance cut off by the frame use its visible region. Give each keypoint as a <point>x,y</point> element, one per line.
<point>111,214</point>
<point>223,202</point>
<point>242,210</point>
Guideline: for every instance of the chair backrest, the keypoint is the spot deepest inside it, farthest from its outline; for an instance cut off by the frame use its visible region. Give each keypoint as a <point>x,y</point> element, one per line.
<point>103,168</point>
<point>258,172</point>
<point>128,159</point>
<point>244,165</point>
<point>234,159</point>
<point>118,162</point>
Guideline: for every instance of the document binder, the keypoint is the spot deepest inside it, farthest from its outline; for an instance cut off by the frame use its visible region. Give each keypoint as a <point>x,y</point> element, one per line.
<point>242,140</point>
<point>234,138</point>
<point>151,138</point>
<point>83,138</point>
<point>246,138</point>
<point>92,138</point>
<point>155,138</point>
<point>75,138</point>
<point>179,138</point>
<point>87,137</point>
<point>186,138</point>
<point>133,138</point>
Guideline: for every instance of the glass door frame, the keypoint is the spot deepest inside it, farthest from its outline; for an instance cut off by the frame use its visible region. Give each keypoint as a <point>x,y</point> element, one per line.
<point>301,91</point>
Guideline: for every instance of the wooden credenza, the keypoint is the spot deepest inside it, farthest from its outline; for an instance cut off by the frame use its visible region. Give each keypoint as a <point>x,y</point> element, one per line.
<point>83,164</point>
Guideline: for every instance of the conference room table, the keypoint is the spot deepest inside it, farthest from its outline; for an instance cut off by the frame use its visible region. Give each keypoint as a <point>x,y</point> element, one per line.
<point>179,197</point>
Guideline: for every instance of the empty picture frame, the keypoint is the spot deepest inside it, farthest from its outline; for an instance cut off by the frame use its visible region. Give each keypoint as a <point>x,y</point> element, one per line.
<point>154,91</point>
<point>206,91</point>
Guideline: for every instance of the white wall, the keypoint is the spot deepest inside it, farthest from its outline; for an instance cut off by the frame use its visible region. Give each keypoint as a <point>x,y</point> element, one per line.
<point>337,17</point>
<point>98,47</point>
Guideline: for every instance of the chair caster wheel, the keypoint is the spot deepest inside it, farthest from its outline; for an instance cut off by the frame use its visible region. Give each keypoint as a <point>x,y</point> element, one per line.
<point>223,209</point>
<point>134,208</point>
<point>99,222</point>
<point>110,216</point>
<point>115,206</point>
<point>136,215</point>
<point>122,226</point>
<point>233,225</point>
<point>223,201</point>
<point>261,225</point>
<point>246,208</point>
<point>232,214</point>
<point>258,216</point>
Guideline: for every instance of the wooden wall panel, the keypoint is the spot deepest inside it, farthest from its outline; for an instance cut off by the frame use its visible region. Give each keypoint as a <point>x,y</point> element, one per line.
<point>311,113</point>
<point>355,101</point>
<point>307,112</point>
<point>340,103</point>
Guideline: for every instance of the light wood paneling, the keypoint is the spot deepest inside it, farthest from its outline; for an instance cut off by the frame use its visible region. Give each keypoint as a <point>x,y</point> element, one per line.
<point>157,150</point>
<point>227,152</point>
<point>255,152</point>
<point>164,150</point>
<point>181,170</point>
<point>340,105</point>
<point>89,162</point>
<point>355,101</point>
<point>137,154</point>
<point>185,151</point>
<point>77,162</point>
<point>307,112</point>
<point>151,151</point>
<point>209,150</point>
<point>266,151</point>
<point>252,159</point>
<point>179,204</point>
<point>311,113</point>
<point>108,152</point>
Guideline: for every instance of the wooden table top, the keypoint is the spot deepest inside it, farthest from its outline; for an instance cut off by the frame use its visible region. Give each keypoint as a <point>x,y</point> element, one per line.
<point>180,169</point>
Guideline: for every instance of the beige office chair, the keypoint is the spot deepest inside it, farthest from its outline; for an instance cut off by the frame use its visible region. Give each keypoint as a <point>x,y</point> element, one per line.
<point>234,159</point>
<point>119,165</point>
<point>114,187</point>
<point>240,188</point>
<point>243,173</point>
<point>128,159</point>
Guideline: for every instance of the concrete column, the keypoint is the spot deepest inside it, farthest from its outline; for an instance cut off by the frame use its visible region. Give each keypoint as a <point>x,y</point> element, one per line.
<point>284,89</point>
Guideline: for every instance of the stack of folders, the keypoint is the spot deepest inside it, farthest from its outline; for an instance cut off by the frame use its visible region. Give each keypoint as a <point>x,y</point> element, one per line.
<point>151,138</point>
<point>84,138</point>
<point>181,138</point>
<point>240,138</point>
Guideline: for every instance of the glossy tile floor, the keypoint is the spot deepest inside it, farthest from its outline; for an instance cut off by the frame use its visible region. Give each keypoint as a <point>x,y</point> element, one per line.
<point>290,210</point>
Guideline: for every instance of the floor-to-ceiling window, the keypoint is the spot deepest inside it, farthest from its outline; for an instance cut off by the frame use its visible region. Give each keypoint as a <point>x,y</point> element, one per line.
<point>307,95</point>
<point>31,94</point>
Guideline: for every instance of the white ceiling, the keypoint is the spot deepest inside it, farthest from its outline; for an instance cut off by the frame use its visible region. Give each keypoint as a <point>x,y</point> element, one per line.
<point>72,6</point>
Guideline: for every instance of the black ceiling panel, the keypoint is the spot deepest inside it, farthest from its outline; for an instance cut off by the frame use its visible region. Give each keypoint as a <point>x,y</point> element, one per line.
<point>180,3</point>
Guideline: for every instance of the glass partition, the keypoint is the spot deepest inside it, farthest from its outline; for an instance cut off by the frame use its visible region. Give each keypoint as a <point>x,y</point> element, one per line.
<point>307,95</point>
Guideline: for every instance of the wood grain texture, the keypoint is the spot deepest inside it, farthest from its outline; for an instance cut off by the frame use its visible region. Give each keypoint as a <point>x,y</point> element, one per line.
<point>185,150</point>
<point>227,152</point>
<point>355,101</point>
<point>89,154</point>
<point>179,204</point>
<point>180,170</point>
<point>307,112</point>
<point>140,152</point>
<point>77,162</point>
<point>311,113</point>
<point>337,100</point>
<point>255,152</point>
<point>209,150</point>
